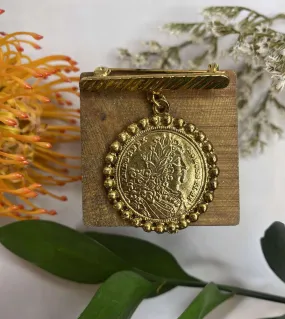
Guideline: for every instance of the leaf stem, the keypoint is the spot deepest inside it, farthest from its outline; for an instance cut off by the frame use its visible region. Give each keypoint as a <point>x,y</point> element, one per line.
<point>263,104</point>
<point>253,11</point>
<point>237,291</point>
<point>252,293</point>
<point>184,44</point>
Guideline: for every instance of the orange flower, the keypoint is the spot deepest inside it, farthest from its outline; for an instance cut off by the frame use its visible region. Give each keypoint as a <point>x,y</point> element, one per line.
<point>28,106</point>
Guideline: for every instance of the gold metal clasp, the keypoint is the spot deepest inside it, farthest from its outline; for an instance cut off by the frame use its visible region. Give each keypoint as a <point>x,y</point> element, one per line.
<point>159,103</point>
<point>153,79</point>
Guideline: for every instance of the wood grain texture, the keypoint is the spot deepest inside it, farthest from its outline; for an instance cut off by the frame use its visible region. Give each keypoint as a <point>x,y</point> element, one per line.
<point>105,114</point>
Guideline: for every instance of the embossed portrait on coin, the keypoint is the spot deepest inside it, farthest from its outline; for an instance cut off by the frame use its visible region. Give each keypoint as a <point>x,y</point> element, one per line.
<point>156,178</point>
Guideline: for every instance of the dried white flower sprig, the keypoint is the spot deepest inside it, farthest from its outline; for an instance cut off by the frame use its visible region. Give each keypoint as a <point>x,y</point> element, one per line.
<point>256,47</point>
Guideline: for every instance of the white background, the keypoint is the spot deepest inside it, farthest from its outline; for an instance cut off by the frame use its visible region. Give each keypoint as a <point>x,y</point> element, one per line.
<point>90,31</point>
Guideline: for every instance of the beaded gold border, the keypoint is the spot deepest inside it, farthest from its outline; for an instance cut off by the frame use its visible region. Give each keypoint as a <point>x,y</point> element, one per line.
<point>212,173</point>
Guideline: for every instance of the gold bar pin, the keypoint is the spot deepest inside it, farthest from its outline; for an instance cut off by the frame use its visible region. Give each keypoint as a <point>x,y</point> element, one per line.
<point>153,79</point>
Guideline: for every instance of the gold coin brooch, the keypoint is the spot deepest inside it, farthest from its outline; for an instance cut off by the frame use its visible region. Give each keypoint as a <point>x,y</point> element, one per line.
<point>161,172</point>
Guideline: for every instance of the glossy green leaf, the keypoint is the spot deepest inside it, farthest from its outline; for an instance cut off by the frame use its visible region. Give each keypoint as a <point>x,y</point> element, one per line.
<point>273,246</point>
<point>91,257</point>
<point>61,251</point>
<point>118,297</point>
<point>207,300</point>
<point>151,261</point>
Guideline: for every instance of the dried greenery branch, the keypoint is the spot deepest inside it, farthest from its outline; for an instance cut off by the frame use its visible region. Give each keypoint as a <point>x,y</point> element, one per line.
<point>257,49</point>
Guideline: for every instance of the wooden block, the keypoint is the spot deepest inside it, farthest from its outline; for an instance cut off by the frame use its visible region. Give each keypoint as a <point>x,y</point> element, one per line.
<point>105,114</point>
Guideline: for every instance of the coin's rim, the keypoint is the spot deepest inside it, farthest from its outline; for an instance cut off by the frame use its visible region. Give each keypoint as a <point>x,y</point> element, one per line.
<point>188,130</point>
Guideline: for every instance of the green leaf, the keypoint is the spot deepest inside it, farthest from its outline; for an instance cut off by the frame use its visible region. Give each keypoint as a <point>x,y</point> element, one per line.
<point>273,246</point>
<point>61,251</point>
<point>118,297</point>
<point>149,260</point>
<point>207,300</point>
<point>91,259</point>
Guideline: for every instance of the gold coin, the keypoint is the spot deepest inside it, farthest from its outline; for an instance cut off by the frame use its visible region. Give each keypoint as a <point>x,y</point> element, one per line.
<point>161,173</point>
